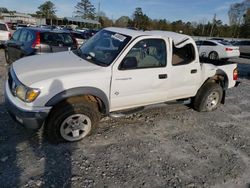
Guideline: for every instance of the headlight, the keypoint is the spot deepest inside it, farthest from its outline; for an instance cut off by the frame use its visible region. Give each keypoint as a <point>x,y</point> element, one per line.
<point>21,92</point>
<point>27,94</point>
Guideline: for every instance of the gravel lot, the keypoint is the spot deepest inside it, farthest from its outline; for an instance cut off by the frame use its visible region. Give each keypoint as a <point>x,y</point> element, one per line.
<point>170,146</point>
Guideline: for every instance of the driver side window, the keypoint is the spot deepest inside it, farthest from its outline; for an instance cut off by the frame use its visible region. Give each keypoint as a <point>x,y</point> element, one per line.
<point>148,53</point>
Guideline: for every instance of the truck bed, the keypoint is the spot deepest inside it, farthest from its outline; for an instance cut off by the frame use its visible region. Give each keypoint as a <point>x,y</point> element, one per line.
<point>216,62</point>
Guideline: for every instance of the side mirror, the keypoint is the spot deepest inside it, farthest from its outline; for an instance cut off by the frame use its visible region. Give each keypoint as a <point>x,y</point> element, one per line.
<point>128,63</point>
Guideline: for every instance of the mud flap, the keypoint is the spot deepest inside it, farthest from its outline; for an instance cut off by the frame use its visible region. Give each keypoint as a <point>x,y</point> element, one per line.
<point>223,100</point>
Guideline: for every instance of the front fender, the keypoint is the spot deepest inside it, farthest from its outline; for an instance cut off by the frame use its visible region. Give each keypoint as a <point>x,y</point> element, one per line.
<point>77,92</point>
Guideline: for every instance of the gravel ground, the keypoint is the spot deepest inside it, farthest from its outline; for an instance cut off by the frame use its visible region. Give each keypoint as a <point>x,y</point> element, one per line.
<point>169,146</point>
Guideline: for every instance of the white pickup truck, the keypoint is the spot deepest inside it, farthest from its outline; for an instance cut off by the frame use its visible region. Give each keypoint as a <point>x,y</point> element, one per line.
<point>116,70</point>
<point>4,33</point>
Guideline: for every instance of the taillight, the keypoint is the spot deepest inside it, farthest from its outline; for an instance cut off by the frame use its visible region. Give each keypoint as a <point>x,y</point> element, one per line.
<point>37,42</point>
<point>235,74</point>
<point>229,49</point>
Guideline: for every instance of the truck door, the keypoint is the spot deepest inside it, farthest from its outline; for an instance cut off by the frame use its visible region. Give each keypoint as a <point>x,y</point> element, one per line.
<point>140,74</point>
<point>185,72</point>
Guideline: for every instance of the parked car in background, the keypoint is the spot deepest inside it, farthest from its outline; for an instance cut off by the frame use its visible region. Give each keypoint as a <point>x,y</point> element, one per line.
<point>244,46</point>
<point>80,37</point>
<point>4,33</point>
<point>216,49</point>
<point>73,90</point>
<point>20,26</point>
<point>31,41</point>
<point>90,32</point>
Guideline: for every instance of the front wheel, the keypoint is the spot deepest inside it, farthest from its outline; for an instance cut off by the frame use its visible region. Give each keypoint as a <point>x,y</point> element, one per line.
<point>208,97</point>
<point>71,121</point>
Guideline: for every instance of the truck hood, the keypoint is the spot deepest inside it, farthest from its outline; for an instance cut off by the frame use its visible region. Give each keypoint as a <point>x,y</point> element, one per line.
<point>36,68</point>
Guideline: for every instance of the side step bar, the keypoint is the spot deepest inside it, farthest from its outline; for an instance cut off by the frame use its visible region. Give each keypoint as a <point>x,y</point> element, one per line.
<point>135,110</point>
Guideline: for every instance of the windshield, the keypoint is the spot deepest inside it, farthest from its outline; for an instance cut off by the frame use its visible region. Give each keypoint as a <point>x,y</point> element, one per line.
<point>103,47</point>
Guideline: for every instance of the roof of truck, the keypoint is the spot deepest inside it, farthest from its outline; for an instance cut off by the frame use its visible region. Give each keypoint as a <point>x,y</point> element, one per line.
<point>176,37</point>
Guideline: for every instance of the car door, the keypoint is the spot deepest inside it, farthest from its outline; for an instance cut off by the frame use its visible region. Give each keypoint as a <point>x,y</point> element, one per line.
<point>140,74</point>
<point>184,73</point>
<point>21,44</point>
<point>201,48</point>
<point>12,45</point>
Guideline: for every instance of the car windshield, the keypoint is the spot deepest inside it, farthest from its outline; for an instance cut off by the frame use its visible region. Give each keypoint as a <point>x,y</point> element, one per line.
<point>103,47</point>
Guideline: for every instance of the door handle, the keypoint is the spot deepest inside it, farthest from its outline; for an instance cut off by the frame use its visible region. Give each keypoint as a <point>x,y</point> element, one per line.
<point>163,76</point>
<point>193,71</point>
<point>123,79</point>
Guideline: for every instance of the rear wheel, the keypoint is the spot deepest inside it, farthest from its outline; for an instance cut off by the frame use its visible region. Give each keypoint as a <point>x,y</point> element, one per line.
<point>72,121</point>
<point>208,97</point>
<point>213,55</point>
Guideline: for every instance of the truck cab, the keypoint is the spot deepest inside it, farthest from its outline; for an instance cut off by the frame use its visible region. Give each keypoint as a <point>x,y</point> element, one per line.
<point>115,70</point>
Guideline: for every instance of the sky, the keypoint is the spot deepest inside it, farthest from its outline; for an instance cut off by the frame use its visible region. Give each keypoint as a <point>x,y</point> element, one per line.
<point>171,10</point>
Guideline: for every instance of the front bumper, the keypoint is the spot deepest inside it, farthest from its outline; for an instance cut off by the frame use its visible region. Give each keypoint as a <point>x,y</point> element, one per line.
<point>29,119</point>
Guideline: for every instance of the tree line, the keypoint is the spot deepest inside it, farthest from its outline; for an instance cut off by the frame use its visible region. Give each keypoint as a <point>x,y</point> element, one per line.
<point>239,20</point>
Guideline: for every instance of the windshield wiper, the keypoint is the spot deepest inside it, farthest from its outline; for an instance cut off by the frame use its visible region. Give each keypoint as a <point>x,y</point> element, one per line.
<point>91,58</point>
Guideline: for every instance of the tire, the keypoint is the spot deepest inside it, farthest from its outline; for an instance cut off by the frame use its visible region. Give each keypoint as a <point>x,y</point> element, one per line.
<point>7,58</point>
<point>71,120</point>
<point>208,97</point>
<point>213,55</point>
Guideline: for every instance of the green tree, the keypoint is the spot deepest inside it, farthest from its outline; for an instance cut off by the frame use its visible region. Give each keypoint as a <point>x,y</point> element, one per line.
<point>245,29</point>
<point>47,10</point>
<point>140,20</point>
<point>85,9</point>
<point>122,21</point>
<point>3,10</point>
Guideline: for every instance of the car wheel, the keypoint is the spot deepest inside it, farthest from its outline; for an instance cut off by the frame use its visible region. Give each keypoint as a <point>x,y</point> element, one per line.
<point>71,121</point>
<point>213,55</point>
<point>208,97</point>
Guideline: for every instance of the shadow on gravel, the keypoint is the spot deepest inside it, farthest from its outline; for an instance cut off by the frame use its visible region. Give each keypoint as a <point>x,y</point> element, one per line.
<point>28,160</point>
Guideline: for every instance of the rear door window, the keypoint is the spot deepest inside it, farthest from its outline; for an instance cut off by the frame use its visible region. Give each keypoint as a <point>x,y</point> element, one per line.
<point>16,35</point>
<point>184,55</point>
<point>30,37</point>
<point>23,36</point>
<point>208,43</point>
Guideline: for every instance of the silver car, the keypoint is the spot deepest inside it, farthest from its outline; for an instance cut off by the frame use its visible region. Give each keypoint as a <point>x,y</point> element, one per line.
<point>244,47</point>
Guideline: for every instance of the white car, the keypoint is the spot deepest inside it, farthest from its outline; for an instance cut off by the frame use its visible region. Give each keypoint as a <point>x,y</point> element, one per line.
<point>115,70</point>
<point>4,33</point>
<point>216,49</point>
